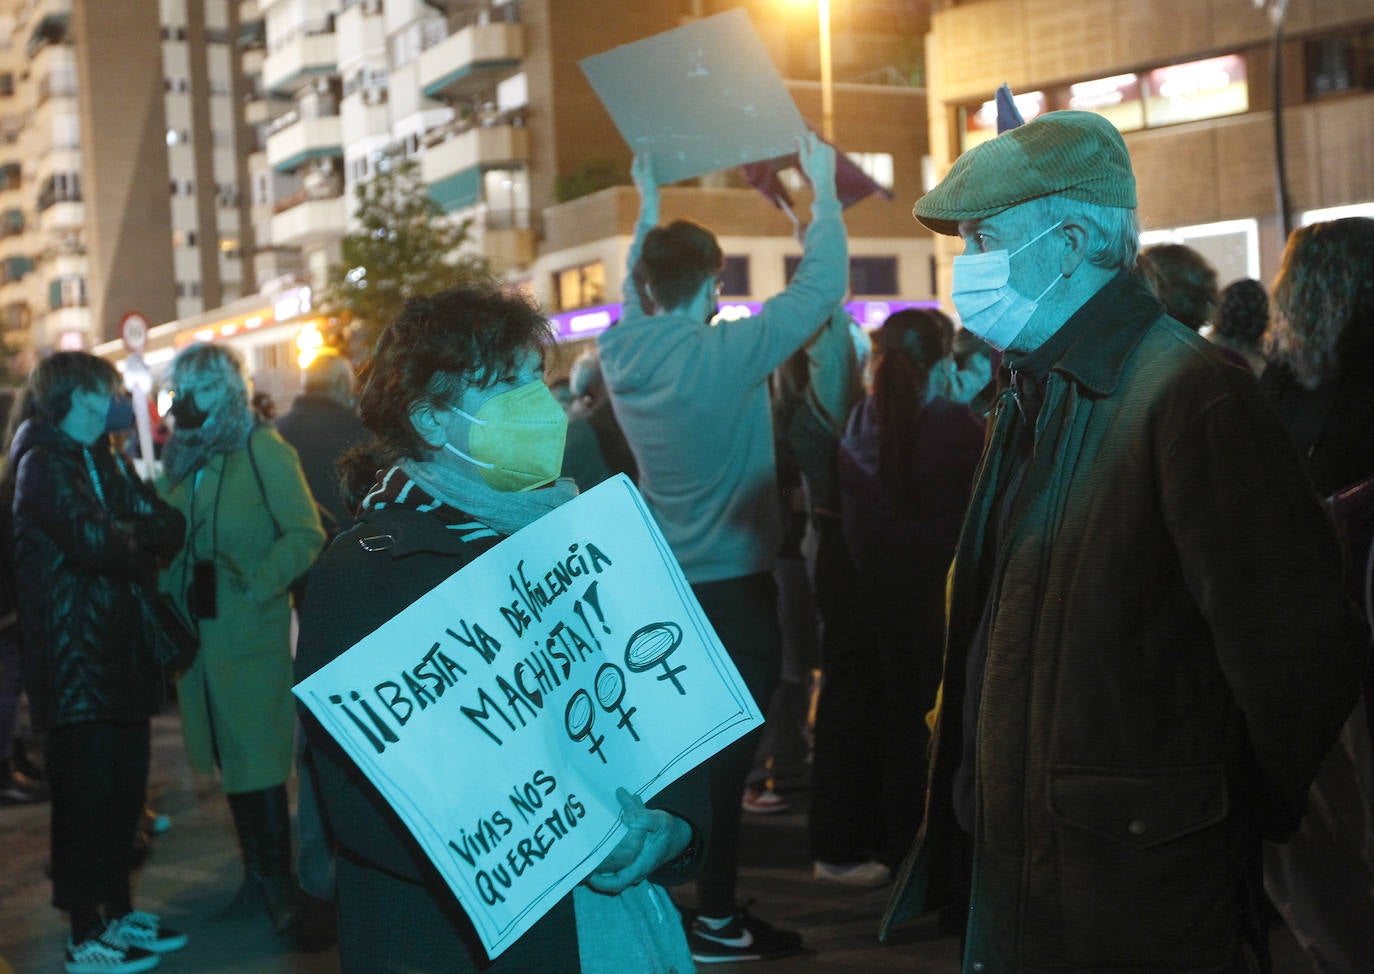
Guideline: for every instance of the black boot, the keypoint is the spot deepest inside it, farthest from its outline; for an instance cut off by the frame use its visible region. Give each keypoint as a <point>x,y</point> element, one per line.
<point>276,880</point>
<point>244,808</point>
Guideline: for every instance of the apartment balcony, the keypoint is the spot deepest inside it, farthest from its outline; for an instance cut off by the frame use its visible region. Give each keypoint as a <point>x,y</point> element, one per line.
<point>293,141</point>
<point>253,61</point>
<point>472,60</point>
<point>65,215</point>
<point>64,328</point>
<point>292,64</point>
<point>452,167</point>
<point>300,220</point>
<point>510,248</point>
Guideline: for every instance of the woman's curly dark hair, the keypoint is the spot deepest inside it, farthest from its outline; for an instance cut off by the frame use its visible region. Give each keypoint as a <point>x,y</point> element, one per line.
<point>438,346</point>
<point>1323,298</point>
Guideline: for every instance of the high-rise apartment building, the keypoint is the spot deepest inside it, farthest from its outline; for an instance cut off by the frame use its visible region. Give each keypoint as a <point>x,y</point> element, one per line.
<point>119,162</point>
<point>488,95</point>
<point>1190,83</point>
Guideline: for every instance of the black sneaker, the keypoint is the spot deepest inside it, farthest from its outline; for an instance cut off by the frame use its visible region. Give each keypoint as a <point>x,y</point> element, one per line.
<point>146,930</point>
<point>104,953</point>
<point>745,937</point>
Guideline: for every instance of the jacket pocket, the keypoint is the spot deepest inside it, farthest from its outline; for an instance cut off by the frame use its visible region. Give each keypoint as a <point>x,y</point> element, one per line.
<point>1143,872</point>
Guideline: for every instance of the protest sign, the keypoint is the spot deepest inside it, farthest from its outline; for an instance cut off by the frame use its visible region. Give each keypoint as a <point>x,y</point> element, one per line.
<point>699,98</point>
<point>499,712</point>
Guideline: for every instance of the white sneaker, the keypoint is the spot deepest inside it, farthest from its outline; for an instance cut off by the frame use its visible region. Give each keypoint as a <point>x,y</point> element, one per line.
<point>866,874</point>
<point>106,954</point>
<point>145,930</point>
<point>764,801</point>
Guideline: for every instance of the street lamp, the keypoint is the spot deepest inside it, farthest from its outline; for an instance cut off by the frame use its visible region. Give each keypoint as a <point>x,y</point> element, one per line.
<point>827,80</point>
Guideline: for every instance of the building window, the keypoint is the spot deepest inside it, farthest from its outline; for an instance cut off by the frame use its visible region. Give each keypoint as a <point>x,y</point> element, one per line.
<point>183,238</point>
<point>1340,64</point>
<point>734,277</point>
<point>13,269</point>
<point>67,292</point>
<point>178,136</point>
<point>60,187</point>
<point>1187,92</point>
<point>581,286</point>
<point>867,275</point>
<point>16,316</point>
<point>1231,246</point>
<point>877,166</point>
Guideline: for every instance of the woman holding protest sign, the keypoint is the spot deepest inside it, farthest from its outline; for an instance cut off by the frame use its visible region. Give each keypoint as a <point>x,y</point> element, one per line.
<point>469,443</point>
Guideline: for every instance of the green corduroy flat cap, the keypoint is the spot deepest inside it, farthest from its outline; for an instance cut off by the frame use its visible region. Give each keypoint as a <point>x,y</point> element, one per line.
<point>1080,155</point>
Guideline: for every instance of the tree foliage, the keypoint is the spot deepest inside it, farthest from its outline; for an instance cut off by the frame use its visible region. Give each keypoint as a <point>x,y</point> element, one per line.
<point>404,246</point>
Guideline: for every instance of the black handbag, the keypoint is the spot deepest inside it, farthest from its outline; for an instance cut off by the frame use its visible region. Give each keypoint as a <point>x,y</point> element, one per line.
<point>171,638</point>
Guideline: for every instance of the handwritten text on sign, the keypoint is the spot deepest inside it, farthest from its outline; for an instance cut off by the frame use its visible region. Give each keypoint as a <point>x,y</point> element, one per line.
<point>499,712</point>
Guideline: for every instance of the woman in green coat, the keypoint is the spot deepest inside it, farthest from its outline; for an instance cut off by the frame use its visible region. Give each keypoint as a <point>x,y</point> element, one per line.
<point>252,530</point>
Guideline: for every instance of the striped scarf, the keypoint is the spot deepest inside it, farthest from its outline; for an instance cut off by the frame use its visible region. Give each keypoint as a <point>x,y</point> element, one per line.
<point>464,505</point>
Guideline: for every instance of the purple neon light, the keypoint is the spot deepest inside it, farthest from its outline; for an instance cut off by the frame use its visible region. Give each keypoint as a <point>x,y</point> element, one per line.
<point>590,322</point>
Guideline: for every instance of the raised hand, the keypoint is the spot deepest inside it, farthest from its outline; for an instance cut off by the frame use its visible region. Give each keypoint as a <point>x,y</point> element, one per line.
<point>818,163</point>
<point>642,171</point>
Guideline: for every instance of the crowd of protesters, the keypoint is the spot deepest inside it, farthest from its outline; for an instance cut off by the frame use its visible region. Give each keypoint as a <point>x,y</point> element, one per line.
<point>1085,583</point>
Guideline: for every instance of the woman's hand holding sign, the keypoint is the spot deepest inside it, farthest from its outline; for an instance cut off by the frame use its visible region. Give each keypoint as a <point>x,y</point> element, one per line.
<point>655,837</point>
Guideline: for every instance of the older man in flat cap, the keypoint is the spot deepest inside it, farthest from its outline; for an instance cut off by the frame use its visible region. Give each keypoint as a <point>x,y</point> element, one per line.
<point>1148,653</point>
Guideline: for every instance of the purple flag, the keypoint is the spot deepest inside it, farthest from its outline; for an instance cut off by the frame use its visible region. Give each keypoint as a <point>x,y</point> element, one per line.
<point>851,183</point>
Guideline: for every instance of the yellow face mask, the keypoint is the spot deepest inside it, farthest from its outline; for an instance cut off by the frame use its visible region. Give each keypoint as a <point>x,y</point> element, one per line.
<point>517,438</point>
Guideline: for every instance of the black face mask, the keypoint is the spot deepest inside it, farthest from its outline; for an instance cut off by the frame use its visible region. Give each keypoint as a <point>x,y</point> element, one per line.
<point>187,414</point>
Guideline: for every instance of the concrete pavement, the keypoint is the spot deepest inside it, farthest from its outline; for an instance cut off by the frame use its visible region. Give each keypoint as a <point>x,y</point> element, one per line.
<point>194,870</point>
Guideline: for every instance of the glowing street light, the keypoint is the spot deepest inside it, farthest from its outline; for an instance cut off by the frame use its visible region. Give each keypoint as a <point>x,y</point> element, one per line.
<point>827,80</point>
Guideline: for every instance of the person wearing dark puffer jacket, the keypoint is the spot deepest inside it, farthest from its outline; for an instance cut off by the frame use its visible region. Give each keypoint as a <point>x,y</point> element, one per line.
<point>87,538</point>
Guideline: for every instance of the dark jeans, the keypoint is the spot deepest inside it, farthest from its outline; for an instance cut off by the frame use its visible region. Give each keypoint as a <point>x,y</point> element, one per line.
<point>881,655</point>
<point>744,613</point>
<point>11,686</point>
<point>98,772</point>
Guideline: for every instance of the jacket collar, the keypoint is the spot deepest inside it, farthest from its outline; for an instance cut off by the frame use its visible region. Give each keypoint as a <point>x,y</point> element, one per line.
<point>1114,321</point>
<point>401,531</point>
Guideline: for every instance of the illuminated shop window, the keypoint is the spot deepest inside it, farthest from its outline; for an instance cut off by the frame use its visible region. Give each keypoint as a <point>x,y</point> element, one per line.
<point>877,166</point>
<point>1210,88</point>
<point>1199,89</point>
<point>581,286</point>
<point>1338,213</point>
<point>1116,98</point>
<point>980,124</point>
<point>1231,246</point>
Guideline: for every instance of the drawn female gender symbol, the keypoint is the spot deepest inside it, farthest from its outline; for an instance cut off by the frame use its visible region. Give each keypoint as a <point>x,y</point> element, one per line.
<point>578,720</point>
<point>651,646</point>
<point>610,692</point>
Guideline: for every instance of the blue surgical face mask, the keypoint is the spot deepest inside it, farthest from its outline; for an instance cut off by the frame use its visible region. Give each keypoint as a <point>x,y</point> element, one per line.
<point>987,304</point>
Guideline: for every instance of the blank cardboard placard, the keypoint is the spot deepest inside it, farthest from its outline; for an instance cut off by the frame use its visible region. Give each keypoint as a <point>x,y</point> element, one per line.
<point>699,98</point>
